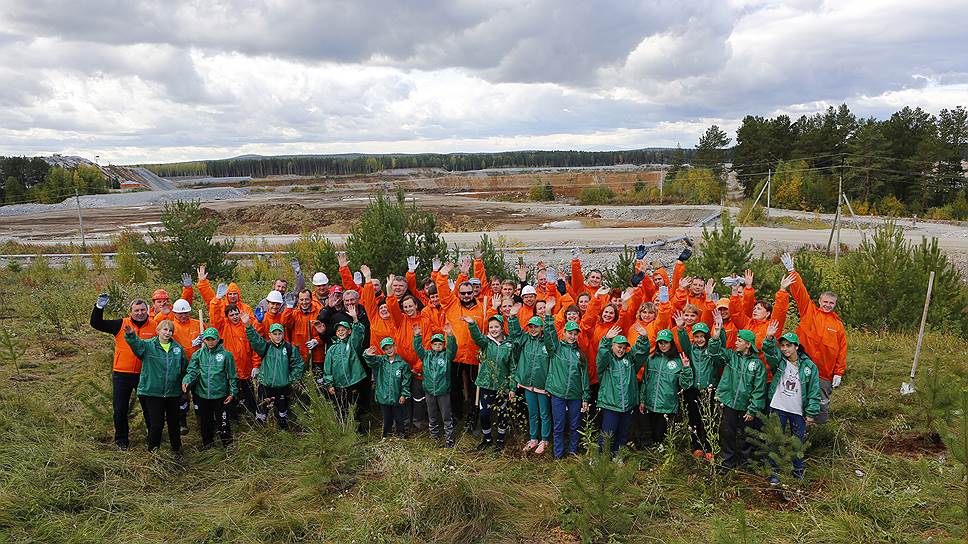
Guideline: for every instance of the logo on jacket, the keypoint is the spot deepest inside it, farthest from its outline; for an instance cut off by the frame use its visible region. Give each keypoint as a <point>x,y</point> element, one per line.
<point>176,350</point>
<point>220,357</point>
<point>398,372</point>
<point>806,371</point>
<point>671,365</point>
<point>752,365</point>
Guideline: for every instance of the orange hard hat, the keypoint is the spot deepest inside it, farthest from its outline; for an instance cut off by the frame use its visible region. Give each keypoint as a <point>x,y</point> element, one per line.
<point>159,294</point>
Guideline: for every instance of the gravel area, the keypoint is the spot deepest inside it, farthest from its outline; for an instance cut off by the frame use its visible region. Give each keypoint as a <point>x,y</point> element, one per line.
<point>143,198</point>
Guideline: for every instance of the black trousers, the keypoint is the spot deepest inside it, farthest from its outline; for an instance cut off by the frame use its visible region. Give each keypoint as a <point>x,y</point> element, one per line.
<point>122,385</point>
<point>162,411</point>
<point>213,414</point>
<point>463,392</point>
<point>279,397</point>
<point>658,425</point>
<point>345,397</point>
<point>737,450</point>
<point>393,414</point>
<point>245,400</point>
<point>697,427</point>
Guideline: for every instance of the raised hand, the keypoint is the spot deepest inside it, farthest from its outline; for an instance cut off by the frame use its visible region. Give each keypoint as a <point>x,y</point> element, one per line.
<point>603,291</point>
<point>244,316</point>
<point>686,253</point>
<point>640,329</point>
<point>787,281</point>
<point>351,311</point>
<point>202,274</point>
<point>627,294</point>
<point>221,290</point>
<point>435,264</point>
<point>613,332</point>
<point>550,305</point>
<point>102,301</point>
<point>467,320</point>
<point>496,303</point>
<point>448,328</point>
<point>416,330</point>
<point>552,276</point>
<point>684,282</point>
<point>370,351</point>
<point>516,308</point>
<point>411,264</point>
<point>465,266</point>
<point>663,294</point>
<point>186,279</point>
<point>748,277</point>
<point>446,268</point>
<point>640,252</point>
<point>787,261</point>
<point>365,270</point>
<point>294,263</point>
<point>685,360</point>
<point>574,252</point>
<point>477,254</point>
<point>290,300</point>
<point>522,272</point>
<point>319,326</point>
<point>710,285</point>
<point>342,259</point>
<point>772,328</point>
<point>128,329</point>
<point>680,319</point>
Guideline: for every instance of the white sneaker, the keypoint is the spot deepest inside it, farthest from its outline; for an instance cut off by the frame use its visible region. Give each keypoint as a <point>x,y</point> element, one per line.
<point>530,445</point>
<point>541,447</point>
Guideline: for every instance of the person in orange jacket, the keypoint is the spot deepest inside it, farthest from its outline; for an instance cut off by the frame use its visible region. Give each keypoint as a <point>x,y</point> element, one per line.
<point>579,284</point>
<point>188,334</point>
<point>161,302</point>
<point>126,367</point>
<point>300,329</point>
<point>600,317</point>
<point>822,336</point>
<point>231,329</point>
<point>407,318</point>
<point>722,308</point>
<point>763,313</point>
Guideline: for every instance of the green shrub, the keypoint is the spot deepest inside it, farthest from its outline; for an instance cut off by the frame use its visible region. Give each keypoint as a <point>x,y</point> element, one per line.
<point>722,251</point>
<point>128,267</point>
<point>495,263</point>
<point>891,206</point>
<point>596,491</point>
<point>315,253</point>
<point>619,274</point>
<point>598,194</point>
<point>541,193</point>
<point>185,242</point>
<point>750,215</point>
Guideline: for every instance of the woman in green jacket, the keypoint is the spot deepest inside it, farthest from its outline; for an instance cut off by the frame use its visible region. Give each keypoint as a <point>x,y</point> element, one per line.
<point>163,364</point>
<point>530,372</point>
<point>343,371</point>
<point>436,365</point>
<point>493,378</point>
<point>795,390</point>
<point>618,392</point>
<point>741,391</point>
<point>702,390</point>
<point>567,381</point>
<point>214,382</point>
<point>281,366</point>
<point>391,376</point>
<point>666,373</point>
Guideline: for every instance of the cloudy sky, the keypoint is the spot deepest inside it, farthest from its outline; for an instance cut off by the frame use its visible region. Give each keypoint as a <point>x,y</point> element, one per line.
<point>151,81</point>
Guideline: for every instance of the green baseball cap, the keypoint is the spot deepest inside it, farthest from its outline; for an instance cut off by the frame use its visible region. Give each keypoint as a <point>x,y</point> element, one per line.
<point>210,332</point>
<point>437,338</point>
<point>276,327</point>
<point>343,324</point>
<point>748,335</point>
<point>621,340</point>
<point>535,321</point>
<point>386,342</point>
<point>497,318</point>
<point>700,327</point>
<point>664,334</point>
<point>572,326</point>
<point>791,337</point>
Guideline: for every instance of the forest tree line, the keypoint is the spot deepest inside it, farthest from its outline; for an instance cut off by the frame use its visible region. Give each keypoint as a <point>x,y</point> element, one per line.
<point>32,179</point>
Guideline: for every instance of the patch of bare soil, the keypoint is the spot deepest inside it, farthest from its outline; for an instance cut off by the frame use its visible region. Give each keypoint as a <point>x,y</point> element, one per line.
<point>913,445</point>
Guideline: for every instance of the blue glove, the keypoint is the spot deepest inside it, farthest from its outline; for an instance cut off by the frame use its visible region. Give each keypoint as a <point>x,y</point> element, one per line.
<point>686,253</point>
<point>552,275</point>
<point>640,252</point>
<point>102,300</point>
<point>663,294</point>
<point>259,313</point>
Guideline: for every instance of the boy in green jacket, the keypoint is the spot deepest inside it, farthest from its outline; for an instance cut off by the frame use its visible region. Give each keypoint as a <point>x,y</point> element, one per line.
<point>163,364</point>
<point>281,366</point>
<point>493,378</point>
<point>795,390</point>
<point>343,371</point>
<point>530,371</point>
<point>741,391</point>
<point>436,380</point>
<point>214,382</point>
<point>666,373</point>
<point>567,381</point>
<point>702,390</point>
<point>392,377</point>
<point>618,392</point>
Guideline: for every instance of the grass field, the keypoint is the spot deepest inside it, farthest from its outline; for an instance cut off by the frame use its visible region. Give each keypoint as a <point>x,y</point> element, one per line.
<point>873,474</point>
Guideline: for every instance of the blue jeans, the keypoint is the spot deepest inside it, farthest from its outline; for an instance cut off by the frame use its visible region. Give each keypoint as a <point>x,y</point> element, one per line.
<point>565,411</point>
<point>798,428</point>
<point>615,425</point>
<point>539,415</point>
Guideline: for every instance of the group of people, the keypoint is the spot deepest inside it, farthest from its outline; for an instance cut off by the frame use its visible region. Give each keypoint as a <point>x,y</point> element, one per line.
<point>460,346</point>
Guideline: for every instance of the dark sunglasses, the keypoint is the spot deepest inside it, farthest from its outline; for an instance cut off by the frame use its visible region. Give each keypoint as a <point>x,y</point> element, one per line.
<point>465,292</point>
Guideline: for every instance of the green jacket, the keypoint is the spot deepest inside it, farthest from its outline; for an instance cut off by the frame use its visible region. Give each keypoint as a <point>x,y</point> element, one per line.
<point>809,377</point>
<point>343,366</point>
<point>567,369</point>
<point>618,384</point>
<point>664,376</point>
<point>436,365</point>
<point>530,366</point>
<point>161,371</point>
<point>495,370</point>
<point>743,383</point>
<point>212,373</point>
<point>281,365</point>
<point>705,372</point>
<point>391,378</point>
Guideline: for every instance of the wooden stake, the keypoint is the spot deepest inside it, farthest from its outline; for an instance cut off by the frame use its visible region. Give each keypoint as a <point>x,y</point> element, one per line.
<point>924,319</point>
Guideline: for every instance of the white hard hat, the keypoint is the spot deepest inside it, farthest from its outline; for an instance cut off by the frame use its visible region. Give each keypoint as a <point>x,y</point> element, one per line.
<point>320,279</point>
<point>274,296</point>
<point>181,306</point>
<point>528,290</point>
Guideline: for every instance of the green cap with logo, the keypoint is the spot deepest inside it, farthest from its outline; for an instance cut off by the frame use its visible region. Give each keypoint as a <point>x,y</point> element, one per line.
<point>664,334</point>
<point>386,342</point>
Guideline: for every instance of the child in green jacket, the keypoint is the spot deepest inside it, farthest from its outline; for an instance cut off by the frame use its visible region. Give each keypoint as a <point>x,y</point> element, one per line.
<point>666,372</point>
<point>214,382</point>
<point>163,364</point>
<point>493,378</point>
<point>702,390</point>
<point>343,371</point>
<point>567,381</point>
<point>281,366</point>
<point>391,376</point>
<point>436,365</point>
<point>618,393</point>
<point>741,391</point>
<point>794,393</point>
<point>530,371</point>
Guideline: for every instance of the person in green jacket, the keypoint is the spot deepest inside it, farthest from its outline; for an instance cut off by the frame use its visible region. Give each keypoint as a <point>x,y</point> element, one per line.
<point>163,363</point>
<point>795,390</point>
<point>214,382</point>
<point>702,390</point>
<point>618,392</point>
<point>567,381</point>
<point>741,391</point>
<point>493,379</point>
<point>281,366</point>
<point>666,373</point>
<point>530,371</point>
<point>436,380</point>
<point>392,376</point>
<point>343,371</point>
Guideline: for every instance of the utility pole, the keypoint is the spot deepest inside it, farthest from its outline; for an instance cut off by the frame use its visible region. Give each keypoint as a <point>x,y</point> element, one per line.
<point>769,189</point>
<point>661,182</point>
<point>840,190</point>
<point>80,220</point>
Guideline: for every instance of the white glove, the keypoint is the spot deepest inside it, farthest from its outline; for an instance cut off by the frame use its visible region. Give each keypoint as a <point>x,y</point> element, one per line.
<point>836,380</point>
<point>552,275</point>
<point>295,265</point>
<point>186,280</point>
<point>715,296</point>
<point>411,264</point>
<point>290,300</point>
<point>663,294</point>
<point>197,341</point>
<point>312,344</point>
<point>357,278</point>
<point>255,372</point>
<point>574,252</point>
<point>221,290</point>
<point>787,261</point>
<point>102,301</point>
<point>436,264</point>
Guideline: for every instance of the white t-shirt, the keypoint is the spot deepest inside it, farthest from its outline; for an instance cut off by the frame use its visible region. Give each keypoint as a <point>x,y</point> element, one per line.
<point>787,396</point>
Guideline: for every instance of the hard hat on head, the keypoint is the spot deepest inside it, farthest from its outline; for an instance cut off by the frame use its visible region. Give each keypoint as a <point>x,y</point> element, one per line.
<point>320,279</point>
<point>274,296</point>
<point>181,306</point>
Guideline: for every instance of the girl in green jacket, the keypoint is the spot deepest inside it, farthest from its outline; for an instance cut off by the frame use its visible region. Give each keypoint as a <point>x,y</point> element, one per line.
<point>618,393</point>
<point>391,375</point>
<point>214,382</point>
<point>702,390</point>
<point>530,372</point>
<point>343,371</point>
<point>436,365</point>
<point>666,373</point>
<point>493,378</point>
<point>163,364</point>
<point>281,366</point>
<point>567,381</point>
<point>794,393</point>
